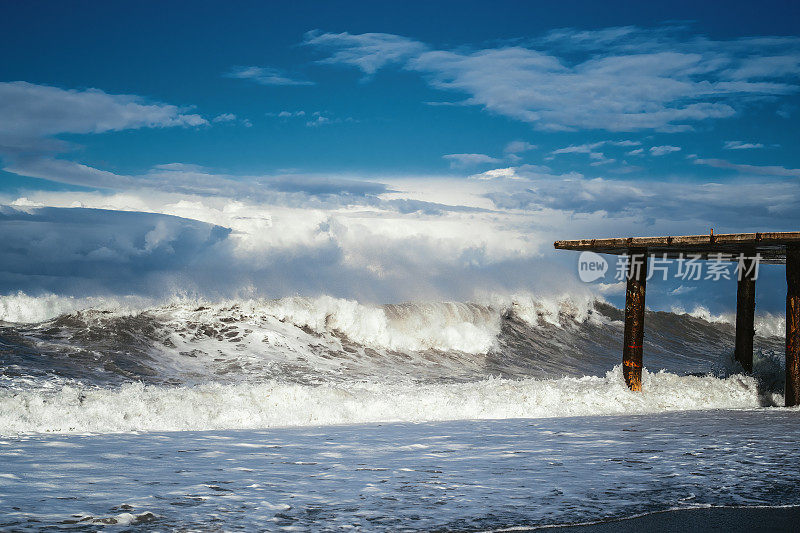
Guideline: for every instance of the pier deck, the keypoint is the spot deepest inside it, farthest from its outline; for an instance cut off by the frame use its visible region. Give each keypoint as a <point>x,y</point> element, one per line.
<point>771,246</point>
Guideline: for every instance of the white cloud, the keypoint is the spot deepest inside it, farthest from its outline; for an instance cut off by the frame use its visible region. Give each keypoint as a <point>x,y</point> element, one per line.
<point>498,173</point>
<point>589,148</point>
<point>683,289</point>
<point>617,79</point>
<point>378,241</point>
<point>265,76</point>
<point>668,207</point>
<point>664,149</point>
<point>29,111</point>
<point>766,67</point>
<point>578,148</point>
<point>598,158</point>
<point>739,145</point>
<point>287,114</point>
<point>31,115</point>
<point>750,169</point>
<point>522,172</point>
<point>318,119</point>
<point>312,118</point>
<point>625,143</point>
<point>224,117</point>
<point>63,171</point>
<point>638,151</point>
<point>517,147</point>
<point>230,118</point>
<point>367,51</point>
<point>469,160</point>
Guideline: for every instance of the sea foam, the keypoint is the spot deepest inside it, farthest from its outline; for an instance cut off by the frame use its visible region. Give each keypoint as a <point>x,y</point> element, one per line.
<point>138,407</point>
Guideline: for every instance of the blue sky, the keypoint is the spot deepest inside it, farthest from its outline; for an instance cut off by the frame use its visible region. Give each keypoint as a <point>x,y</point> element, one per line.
<point>395,150</point>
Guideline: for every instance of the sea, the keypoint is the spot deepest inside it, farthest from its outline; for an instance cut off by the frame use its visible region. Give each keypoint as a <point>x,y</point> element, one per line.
<point>326,414</point>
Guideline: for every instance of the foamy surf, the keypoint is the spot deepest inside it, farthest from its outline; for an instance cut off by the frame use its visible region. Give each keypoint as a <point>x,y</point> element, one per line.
<point>138,407</point>
<point>123,366</point>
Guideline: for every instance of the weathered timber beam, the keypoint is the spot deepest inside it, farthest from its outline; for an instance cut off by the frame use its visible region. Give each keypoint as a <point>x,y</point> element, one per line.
<point>771,246</point>
<point>634,319</point>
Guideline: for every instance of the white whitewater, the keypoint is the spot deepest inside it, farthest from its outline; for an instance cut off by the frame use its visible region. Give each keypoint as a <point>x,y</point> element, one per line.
<point>117,365</point>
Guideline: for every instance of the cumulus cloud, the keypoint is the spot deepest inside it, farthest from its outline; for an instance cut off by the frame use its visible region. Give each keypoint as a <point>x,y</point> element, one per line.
<point>378,254</point>
<point>387,241</point>
<point>265,76</point>
<point>617,79</point>
<point>469,160</point>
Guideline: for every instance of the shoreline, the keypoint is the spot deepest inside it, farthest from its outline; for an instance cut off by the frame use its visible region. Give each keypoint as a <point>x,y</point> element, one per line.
<point>745,519</point>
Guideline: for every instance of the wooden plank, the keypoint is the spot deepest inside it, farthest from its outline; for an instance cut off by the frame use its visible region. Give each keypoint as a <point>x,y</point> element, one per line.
<point>634,320</point>
<point>771,245</point>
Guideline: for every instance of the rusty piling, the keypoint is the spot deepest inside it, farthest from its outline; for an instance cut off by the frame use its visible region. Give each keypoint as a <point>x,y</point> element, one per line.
<point>792,393</point>
<point>745,312</point>
<point>634,319</point>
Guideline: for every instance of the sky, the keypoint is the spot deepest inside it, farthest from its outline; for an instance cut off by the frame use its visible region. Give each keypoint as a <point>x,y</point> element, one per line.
<point>387,151</point>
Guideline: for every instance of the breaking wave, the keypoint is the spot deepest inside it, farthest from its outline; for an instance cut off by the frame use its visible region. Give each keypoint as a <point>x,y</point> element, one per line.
<point>98,365</point>
<point>138,407</point>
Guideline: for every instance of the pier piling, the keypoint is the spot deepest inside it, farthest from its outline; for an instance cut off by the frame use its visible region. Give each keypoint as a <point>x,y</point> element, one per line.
<point>745,312</point>
<point>792,393</point>
<point>634,319</point>
<point>772,247</point>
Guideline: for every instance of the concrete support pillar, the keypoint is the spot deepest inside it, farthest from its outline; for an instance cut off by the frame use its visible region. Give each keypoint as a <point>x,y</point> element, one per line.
<point>634,319</point>
<point>745,313</point>
<point>792,394</point>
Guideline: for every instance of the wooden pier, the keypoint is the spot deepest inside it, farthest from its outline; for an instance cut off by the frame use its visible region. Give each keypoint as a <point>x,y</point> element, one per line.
<point>743,248</point>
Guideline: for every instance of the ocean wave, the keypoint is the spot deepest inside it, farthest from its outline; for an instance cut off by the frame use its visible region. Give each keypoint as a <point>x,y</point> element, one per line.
<point>442,326</point>
<point>139,407</point>
<point>325,339</point>
<point>765,324</point>
<point>22,308</point>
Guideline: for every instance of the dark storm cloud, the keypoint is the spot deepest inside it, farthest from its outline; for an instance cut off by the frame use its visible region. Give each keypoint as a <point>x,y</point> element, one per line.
<point>98,250</point>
